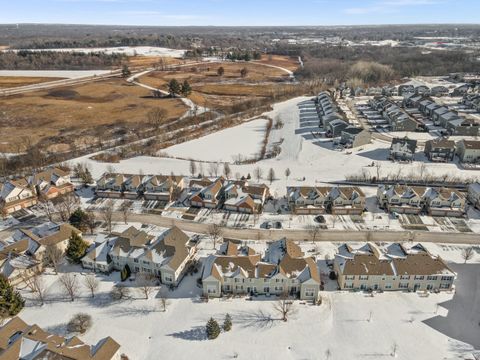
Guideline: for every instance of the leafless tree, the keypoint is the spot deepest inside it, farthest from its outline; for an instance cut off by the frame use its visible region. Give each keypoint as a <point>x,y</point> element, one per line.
<point>91,283</point>
<point>467,254</point>
<point>287,173</point>
<point>258,173</point>
<point>226,170</point>
<point>378,167</point>
<point>67,204</point>
<point>48,209</point>
<point>163,299</point>
<point>53,256</point>
<point>156,117</point>
<point>120,292</point>
<point>271,175</point>
<point>41,289</point>
<point>313,231</point>
<point>215,232</point>
<point>70,285</point>
<point>145,284</point>
<point>107,215</point>
<point>27,279</point>
<point>125,209</point>
<point>91,221</point>
<point>284,306</point>
<point>193,167</point>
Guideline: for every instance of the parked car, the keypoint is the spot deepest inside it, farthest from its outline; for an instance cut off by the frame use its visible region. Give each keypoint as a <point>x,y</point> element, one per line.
<point>267,225</point>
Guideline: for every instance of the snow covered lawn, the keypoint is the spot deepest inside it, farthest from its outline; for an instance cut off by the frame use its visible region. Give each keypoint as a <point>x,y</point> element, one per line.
<point>69,74</point>
<point>225,145</point>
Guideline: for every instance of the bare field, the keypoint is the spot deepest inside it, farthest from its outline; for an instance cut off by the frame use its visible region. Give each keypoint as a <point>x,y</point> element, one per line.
<point>15,81</point>
<point>153,60</point>
<point>287,62</point>
<point>81,114</point>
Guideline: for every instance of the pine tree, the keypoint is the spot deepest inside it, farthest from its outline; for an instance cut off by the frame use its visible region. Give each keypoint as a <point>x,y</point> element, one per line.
<point>76,248</point>
<point>186,89</point>
<point>174,87</point>
<point>213,329</point>
<point>11,302</point>
<point>79,219</point>
<point>227,323</point>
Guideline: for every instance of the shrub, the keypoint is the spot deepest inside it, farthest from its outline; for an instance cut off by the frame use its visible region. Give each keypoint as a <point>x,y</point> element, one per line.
<point>80,323</point>
<point>213,329</point>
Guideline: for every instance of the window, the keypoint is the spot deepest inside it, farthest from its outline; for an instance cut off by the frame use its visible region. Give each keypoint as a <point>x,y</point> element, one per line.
<point>309,292</point>
<point>226,287</point>
<point>447,278</point>
<point>444,286</point>
<point>350,277</point>
<point>388,286</point>
<point>405,277</point>
<point>266,289</point>
<point>431,278</point>
<point>363,277</point>
<point>135,260</point>
<point>419,277</point>
<point>403,285</point>
<point>278,288</point>
<point>348,285</point>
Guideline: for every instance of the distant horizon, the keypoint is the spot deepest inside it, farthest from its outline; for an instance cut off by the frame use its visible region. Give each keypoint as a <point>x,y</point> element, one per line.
<point>248,13</point>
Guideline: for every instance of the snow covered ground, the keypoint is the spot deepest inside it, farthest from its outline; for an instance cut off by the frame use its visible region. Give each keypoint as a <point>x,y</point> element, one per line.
<point>127,50</point>
<point>225,145</point>
<point>69,74</point>
<point>311,160</point>
<point>346,325</point>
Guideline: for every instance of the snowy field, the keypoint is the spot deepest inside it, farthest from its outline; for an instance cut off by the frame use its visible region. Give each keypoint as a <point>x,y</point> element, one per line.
<point>69,74</point>
<point>311,160</point>
<point>127,50</point>
<point>224,145</point>
<point>346,326</point>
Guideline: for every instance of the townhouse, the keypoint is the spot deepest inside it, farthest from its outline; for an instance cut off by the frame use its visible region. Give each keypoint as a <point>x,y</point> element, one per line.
<point>305,200</point>
<point>461,126</point>
<point>468,151</point>
<point>209,196</point>
<point>18,340</point>
<point>165,256</point>
<point>398,118</point>
<point>164,188</point>
<point>16,195</point>
<point>352,137</point>
<point>244,198</point>
<point>403,149</point>
<point>404,199</point>
<point>398,267</point>
<point>282,269</point>
<point>335,127</point>
<point>440,150</point>
<point>51,183</point>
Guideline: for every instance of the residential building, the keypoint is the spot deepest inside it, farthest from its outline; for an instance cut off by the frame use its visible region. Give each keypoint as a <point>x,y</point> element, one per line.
<point>440,150</point>
<point>398,118</point>
<point>404,199</point>
<point>165,257</point>
<point>16,195</point>
<point>98,256</point>
<point>240,197</point>
<point>468,151</point>
<point>18,340</point>
<point>352,137</point>
<point>334,128</point>
<point>283,269</point>
<point>437,113</point>
<point>398,267</point>
<point>473,194</point>
<point>164,188</point>
<point>311,200</point>
<point>51,183</point>
<point>209,196</point>
<point>463,127</point>
<point>111,185</point>
<point>403,149</point>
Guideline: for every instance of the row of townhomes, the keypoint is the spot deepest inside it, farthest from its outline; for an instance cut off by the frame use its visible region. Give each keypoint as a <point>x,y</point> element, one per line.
<point>398,118</point>
<point>330,119</point>
<point>404,199</point>
<point>149,187</point>
<point>21,255</point>
<point>442,116</point>
<point>18,340</point>
<point>282,269</point>
<point>165,256</point>
<point>24,193</point>
<point>398,267</point>
<point>304,200</point>
<point>437,150</point>
<point>239,196</point>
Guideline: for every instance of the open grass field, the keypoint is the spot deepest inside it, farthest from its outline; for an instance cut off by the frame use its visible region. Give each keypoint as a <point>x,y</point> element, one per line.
<point>287,62</point>
<point>153,60</point>
<point>78,114</point>
<point>15,81</point>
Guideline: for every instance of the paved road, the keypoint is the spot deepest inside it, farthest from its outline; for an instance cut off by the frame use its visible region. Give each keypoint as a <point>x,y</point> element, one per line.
<point>325,235</point>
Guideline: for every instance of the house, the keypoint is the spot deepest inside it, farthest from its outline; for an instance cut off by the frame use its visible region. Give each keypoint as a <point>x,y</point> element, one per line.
<point>463,127</point>
<point>208,196</point>
<point>282,269</point>
<point>440,150</point>
<point>429,109</point>
<point>398,267</point>
<point>51,183</point>
<point>164,188</point>
<point>404,199</point>
<point>23,253</point>
<point>439,91</point>
<point>473,194</point>
<point>401,199</point>
<point>165,257</point>
<point>412,100</point>
<point>436,113</point>
<point>18,340</point>
<point>111,185</point>
<point>244,198</point>
<point>398,119</point>
<point>403,149</point>
<point>132,186</point>
<point>405,88</point>
<point>352,137</point>
<point>334,128</point>
<point>444,118</point>
<point>16,195</point>
<point>305,200</point>
<point>468,151</point>
<point>98,256</point>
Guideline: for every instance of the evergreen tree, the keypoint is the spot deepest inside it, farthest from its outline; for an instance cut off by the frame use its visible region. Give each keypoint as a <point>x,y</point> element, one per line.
<point>186,89</point>
<point>11,302</point>
<point>227,323</point>
<point>125,71</point>
<point>76,248</point>
<point>173,87</point>
<point>79,219</point>
<point>213,329</point>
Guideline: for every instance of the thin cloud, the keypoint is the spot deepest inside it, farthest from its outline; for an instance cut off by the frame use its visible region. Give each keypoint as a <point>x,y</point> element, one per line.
<point>389,6</point>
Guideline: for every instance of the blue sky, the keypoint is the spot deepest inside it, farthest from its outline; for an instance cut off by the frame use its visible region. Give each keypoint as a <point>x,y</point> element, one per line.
<point>240,12</point>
